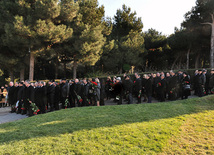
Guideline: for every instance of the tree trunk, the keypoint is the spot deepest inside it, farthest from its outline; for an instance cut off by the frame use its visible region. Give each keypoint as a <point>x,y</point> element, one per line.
<point>22,74</point>
<point>64,69</point>
<point>57,69</point>
<point>75,69</point>
<point>179,65</point>
<point>188,58</point>
<point>212,47</point>
<point>11,76</point>
<point>32,59</point>
<point>197,61</point>
<point>173,65</point>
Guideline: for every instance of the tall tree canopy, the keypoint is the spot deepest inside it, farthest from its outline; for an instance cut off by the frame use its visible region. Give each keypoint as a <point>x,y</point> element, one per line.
<point>201,19</point>
<point>127,40</point>
<point>34,26</point>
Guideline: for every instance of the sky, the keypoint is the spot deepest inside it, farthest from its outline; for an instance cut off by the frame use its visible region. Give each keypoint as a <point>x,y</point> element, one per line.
<point>161,15</point>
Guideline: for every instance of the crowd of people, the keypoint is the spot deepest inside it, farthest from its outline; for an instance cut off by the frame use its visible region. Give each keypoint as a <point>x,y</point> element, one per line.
<point>41,97</point>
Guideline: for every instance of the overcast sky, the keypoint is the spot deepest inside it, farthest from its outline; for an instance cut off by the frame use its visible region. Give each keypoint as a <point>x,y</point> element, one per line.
<point>161,15</point>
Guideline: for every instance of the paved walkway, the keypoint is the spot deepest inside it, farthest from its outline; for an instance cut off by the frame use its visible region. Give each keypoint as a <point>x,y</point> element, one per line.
<point>6,116</point>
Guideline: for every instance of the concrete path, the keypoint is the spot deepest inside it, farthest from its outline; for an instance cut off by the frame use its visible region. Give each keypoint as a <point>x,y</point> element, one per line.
<point>6,116</point>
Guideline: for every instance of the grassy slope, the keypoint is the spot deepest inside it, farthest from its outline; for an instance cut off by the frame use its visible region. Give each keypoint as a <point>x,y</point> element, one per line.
<point>181,126</point>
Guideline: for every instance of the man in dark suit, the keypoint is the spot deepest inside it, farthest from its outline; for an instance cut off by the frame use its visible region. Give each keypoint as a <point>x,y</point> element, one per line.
<point>11,96</point>
<point>84,90</point>
<point>51,94</point>
<point>64,92</point>
<point>28,98</point>
<point>128,88</point>
<point>20,97</point>
<point>148,88</point>
<point>138,88</point>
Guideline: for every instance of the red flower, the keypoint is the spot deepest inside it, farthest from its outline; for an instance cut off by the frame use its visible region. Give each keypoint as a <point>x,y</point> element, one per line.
<point>23,108</point>
<point>170,92</point>
<point>94,83</point>
<point>134,81</point>
<point>159,84</point>
<point>80,100</point>
<point>186,82</point>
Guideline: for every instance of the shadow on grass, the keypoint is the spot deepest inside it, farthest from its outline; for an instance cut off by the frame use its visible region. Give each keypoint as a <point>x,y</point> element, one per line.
<point>76,119</point>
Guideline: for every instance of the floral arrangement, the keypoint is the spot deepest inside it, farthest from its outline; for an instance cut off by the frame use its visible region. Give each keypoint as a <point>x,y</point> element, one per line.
<point>88,101</point>
<point>159,84</point>
<point>34,108</point>
<point>79,98</point>
<point>212,90</point>
<point>139,95</point>
<point>94,84</point>
<point>23,107</point>
<point>66,103</point>
<point>172,91</point>
<point>204,91</point>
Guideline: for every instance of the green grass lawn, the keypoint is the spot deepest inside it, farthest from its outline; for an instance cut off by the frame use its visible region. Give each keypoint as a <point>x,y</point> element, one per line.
<point>180,127</point>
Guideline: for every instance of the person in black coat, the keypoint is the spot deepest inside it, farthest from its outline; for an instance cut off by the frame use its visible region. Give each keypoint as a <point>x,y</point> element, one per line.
<point>185,86</point>
<point>85,95</point>
<point>118,90</point>
<point>211,81</point>
<point>65,88</point>
<point>28,99</point>
<point>128,88</point>
<point>51,94</point>
<point>138,88</point>
<point>56,96</point>
<point>201,83</point>
<point>11,96</point>
<point>162,88</point>
<point>72,94</point>
<point>102,92</point>
<point>41,94</point>
<point>156,87</point>
<point>148,88</point>
<point>77,92</point>
<point>20,96</point>
<point>173,83</point>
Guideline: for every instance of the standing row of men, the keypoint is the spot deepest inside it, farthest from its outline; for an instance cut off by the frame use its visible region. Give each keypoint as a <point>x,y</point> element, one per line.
<point>161,86</point>
<point>25,97</point>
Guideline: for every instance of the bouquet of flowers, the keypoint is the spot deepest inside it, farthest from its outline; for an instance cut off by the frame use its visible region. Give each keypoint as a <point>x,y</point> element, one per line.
<point>159,84</point>
<point>212,90</point>
<point>204,91</point>
<point>88,101</point>
<point>66,103</point>
<point>94,84</point>
<point>79,98</point>
<point>172,91</point>
<point>139,95</point>
<point>23,107</point>
<point>186,82</point>
<point>35,109</point>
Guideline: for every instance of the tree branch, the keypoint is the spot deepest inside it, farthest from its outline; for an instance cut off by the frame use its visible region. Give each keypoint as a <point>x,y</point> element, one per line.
<point>207,23</point>
<point>212,16</point>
